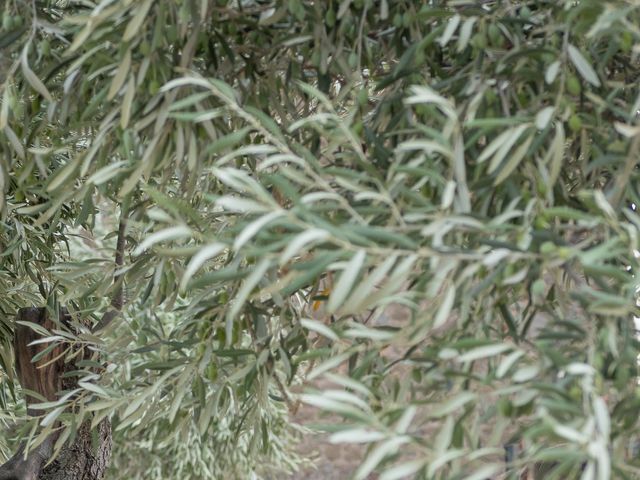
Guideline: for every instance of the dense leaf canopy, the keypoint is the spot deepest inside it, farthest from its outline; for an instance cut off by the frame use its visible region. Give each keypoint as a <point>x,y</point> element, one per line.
<point>429,205</point>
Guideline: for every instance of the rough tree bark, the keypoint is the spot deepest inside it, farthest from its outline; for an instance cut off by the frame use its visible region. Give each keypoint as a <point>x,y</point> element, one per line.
<point>80,459</point>
<point>84,458</point>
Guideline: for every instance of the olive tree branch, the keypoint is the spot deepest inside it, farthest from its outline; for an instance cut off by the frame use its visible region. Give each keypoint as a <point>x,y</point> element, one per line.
<point>117,299</point>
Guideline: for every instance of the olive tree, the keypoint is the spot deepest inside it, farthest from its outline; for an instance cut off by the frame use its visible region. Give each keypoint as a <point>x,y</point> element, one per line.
<point>429,206</point>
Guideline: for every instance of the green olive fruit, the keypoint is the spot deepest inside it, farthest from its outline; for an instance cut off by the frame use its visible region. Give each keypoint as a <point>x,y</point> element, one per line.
<point>18,110</point>
<point>235,333</point>
<point>406,19</point>
<point>575,124</point>
<point>626,41</point>
<point>154,87</point>
<point>505,407</point>
<point>495,35</point>
<point>548,248</point>
<point>145,47</point>
<point>353,60</point>
<point>575,393</point>
<point>479,41</point>
<point>13,100</point>
<point>540,222</point>
<point>573,85</point>
<point>330,18</point>
<point>197,388</point>
<point>357,127</point>
<point>212,372</point>
<point>172,34</point>
<point>363,97</point>
<point>221,335</point>
<point>315,58</point>
<point>7,22</point>
<point>44,47</point>
<point>525,12</point>
<point>538,287</point>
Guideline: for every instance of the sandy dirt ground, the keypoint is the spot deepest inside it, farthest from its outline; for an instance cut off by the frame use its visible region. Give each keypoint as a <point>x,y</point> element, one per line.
<point>335,461</point>
<point>332,461</point>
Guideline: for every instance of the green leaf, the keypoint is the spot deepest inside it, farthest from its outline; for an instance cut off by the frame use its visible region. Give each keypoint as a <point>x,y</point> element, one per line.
<point>484,352</point>
<point>485,471</point>
<point>227,141</point>
<point>508,362</point>
<point>356,435</point>
<point>52,416</point>
<point>107,173</point>
<point>205,253</point>
<point>127,103</point>
<point>583,66</point>
<point>552,72</point>
<point>452,404</point>
<point>452,26</point>
<point>446,306</point>
<point>31,77</point>
<point>167,234</point>
<point>319,327</point>
<point>377,455</point>
<point>555,155</point>
<point>254,227</point>
<point>345,283</point>
<point>402,470</point>
<point>513,161</point>
<point>543,117</point>
<point>505,147</point>
<point>249,284</point>
<point>302,241</point>
<point>133,27</point>
<point>120,76</point>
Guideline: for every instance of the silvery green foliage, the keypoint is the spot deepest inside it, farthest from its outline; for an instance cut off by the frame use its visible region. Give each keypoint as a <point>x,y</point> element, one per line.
<point>294,172</point>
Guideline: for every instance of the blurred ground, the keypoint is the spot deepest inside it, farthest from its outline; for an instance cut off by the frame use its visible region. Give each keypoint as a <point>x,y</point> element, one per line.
<point>335,461</point>
<point>332,462</point>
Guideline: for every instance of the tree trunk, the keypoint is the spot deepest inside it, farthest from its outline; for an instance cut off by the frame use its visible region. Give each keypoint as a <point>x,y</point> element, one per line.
<point>87,457</point>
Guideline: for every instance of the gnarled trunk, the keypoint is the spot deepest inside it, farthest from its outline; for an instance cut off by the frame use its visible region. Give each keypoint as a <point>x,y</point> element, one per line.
<point>82,459</point>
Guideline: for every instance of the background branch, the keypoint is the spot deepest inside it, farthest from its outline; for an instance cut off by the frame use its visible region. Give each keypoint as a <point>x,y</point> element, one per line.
<point>117,300</point>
